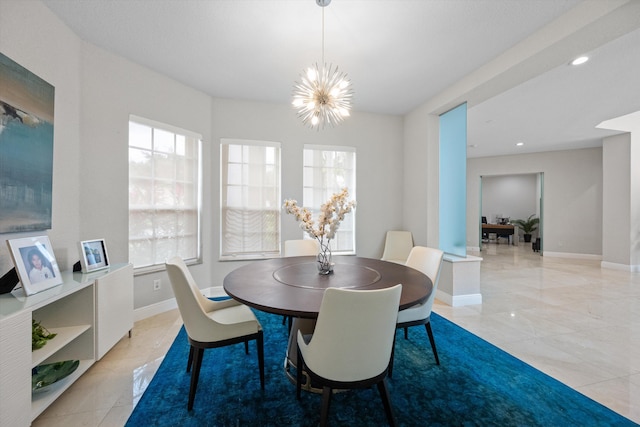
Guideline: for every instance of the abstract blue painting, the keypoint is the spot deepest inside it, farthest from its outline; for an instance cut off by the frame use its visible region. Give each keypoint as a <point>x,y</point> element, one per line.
<point>26,149</point>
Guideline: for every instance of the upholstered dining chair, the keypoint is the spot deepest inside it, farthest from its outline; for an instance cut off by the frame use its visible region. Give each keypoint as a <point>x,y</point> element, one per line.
<point>397,246</point>
<point>207,305</point>
<point>351,345</point>
<point>211,324</point>
<point>428,261</point>
<point>300,247</point>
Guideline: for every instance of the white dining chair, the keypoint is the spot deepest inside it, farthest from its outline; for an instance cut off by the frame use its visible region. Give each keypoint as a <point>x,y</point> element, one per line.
<point>351,345</point>
<point>211,324</point>
<point>301,247</point>
<point>428,261</point>
<point>397,246</point>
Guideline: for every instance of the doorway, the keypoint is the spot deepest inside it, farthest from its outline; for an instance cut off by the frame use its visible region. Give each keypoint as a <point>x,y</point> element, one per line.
<point>504,198</point>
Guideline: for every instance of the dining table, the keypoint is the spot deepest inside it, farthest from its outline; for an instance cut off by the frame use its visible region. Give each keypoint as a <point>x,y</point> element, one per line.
<point>292,286</point>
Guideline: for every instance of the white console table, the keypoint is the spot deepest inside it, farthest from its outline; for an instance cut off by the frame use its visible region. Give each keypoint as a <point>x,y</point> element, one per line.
<point>88,312</point>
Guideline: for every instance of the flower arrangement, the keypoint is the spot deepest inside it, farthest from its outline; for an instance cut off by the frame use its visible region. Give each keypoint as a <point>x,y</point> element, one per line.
<point>332,213</point>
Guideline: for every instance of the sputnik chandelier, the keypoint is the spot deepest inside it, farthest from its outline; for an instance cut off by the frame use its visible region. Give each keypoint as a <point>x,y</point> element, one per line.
<point>323,95</point>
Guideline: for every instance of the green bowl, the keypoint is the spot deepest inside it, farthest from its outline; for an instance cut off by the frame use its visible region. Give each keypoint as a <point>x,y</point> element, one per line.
<point>43,376</point>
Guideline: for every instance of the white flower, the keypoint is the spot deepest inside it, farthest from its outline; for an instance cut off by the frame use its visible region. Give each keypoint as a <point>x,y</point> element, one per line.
<point>332,213</point>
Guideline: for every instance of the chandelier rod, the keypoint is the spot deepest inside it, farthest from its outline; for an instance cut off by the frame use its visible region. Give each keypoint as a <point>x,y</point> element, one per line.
<point>323,37</point>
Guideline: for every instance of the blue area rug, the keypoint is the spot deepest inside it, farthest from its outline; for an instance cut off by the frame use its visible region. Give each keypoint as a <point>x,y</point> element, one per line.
<point>476,384</point>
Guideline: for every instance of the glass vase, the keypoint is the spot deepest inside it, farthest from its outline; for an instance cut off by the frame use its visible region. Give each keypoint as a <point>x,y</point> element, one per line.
<point>325,266</point>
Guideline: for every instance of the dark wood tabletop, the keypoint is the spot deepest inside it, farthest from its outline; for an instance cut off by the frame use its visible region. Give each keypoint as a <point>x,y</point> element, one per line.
<point>500,229</point>
<point>292,286</point>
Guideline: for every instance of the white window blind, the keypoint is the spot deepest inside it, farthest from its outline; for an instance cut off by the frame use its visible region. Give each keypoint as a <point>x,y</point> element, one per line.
<point>249,199</point>
<point>327,170</point>
<point>164,193</point>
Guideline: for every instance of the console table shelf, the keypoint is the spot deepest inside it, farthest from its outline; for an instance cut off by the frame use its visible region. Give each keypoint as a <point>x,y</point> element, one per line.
<point>88,313</point>
<point>41,401</point>
<point>64,336</point>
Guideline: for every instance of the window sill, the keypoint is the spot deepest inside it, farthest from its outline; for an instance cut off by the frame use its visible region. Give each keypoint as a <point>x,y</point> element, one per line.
<point>142,271</point>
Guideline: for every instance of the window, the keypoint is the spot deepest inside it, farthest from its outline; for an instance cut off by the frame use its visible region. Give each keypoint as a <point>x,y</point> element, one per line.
<point>164,193</point>
<point>327,170</point>
<point>249,199</point>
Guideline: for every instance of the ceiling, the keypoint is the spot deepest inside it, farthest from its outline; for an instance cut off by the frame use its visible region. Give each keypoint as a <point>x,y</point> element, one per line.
<point>398,54</point>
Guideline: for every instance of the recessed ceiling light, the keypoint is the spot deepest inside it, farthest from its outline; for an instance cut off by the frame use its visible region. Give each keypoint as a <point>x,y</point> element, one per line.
<point>580,60</point>
<point>519,144</point>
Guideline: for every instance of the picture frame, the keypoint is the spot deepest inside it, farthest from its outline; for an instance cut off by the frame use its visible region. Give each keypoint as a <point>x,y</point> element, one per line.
<point>27,107</point>
<point>35,263</point>
<point>93,255</point>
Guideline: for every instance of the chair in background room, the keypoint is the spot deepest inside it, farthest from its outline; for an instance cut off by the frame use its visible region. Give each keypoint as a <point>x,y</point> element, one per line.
<point>211,324</point>
<point>397,246</point>
<point>485,236</point>
<point>351,345</point>
<point>429,262</point>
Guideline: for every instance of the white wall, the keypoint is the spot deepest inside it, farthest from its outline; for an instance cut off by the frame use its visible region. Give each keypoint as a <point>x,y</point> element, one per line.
<point>616,236</point>
<point>572,211</point>
<point>31,36</point>
<point>511,196</point>
<point>379,157</point>
<point>421,159</point>
<point>95,93</point>
<point>112,89</point>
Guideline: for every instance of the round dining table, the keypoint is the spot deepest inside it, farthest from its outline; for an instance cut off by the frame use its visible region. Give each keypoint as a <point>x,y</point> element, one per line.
<point>292,286</point>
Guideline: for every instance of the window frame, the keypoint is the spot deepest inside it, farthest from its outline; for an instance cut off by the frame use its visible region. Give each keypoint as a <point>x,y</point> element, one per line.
<point>329,191</point>
<point>223,254</point>
<point>198,184</point>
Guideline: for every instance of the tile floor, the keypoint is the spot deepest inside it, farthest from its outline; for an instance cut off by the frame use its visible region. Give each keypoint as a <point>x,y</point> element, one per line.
<point>569,318</point>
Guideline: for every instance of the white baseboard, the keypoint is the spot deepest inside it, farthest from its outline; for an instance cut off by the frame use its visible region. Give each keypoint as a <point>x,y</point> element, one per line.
<point>621,267</point>
<point>170,304</point>
<point>571,255</point>
<point>459,300</point>
<point>154,309</point>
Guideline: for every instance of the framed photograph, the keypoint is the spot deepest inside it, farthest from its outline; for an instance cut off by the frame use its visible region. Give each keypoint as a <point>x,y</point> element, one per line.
<point>93,255</point>
<point>35,263</point>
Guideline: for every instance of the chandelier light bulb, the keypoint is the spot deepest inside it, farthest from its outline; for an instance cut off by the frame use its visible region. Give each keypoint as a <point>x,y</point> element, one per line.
<point>325,99</point>
<point>311,74</point>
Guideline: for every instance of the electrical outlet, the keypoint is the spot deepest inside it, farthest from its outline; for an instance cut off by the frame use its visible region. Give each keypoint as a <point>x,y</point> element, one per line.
<point>157,284</point>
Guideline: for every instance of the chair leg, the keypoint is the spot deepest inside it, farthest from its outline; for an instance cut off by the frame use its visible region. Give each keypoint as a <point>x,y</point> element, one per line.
<point>197,362</point>
<point>326,402</point>
<point>287,320</point>
<point>246,347</point>
<point>190,360</point>
<point>299,369</point>
<point>432,341</point>
<point>260,345</point>
<point>406,333</point>
<point>393,351</point>
<point>386,401</point>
